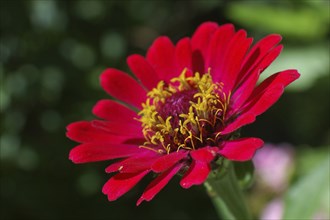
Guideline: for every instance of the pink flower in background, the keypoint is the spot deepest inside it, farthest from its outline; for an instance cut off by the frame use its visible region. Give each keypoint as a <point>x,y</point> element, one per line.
<point>273,210</point>
<point>273,164</point>
<point>182,109</point>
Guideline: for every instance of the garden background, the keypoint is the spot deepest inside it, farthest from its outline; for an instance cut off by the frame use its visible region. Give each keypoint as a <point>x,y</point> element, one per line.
<point>51,56</point>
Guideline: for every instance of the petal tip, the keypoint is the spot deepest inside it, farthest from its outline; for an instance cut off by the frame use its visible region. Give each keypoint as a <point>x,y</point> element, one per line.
<point>141,199</point>
<point>185,185</point>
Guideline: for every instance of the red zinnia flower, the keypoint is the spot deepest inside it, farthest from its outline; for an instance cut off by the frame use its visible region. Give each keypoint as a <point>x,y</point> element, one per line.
<point>182,111</point>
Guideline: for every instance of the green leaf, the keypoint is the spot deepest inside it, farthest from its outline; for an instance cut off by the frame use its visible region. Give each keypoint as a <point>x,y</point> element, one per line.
<point>244,173</point>
<point>308,158</point>
<point>306,23</point>
<point>309,194</point>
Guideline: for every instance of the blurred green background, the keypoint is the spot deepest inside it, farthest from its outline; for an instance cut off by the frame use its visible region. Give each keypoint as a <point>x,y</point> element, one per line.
<point>51,56</point>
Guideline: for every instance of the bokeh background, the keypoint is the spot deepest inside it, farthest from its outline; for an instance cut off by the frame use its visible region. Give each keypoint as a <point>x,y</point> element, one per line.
<point>51,56</point>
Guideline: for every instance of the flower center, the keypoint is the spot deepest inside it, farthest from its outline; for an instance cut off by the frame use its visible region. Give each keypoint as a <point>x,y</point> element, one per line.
<point>186,113</point>
<point>176,105</point>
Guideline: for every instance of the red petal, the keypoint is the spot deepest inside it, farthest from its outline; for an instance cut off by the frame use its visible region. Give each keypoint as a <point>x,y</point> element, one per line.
<point>233,57</point>
<point>92,152</point>
<point>196,175</point>
<point>244,91</point>
<point>201,38</point>
<point>269,91</point>
<point>241,149</point>
<point>256,107</point>
<point>161,57</point>
<point>121,183</point>
<point>124,129</point>
<point>143,70</point>
<point>158,184</point>
<point>165,162</point>
<point>248,84</point>
<point>200,167</point>
<point>134,164</point>
<point>205,154</point>
<point>183,55</point>
<point>283,78</point>
<point>113,111</point>
<point>84,132</point>
<point>217,47</point>
<point>258,51</point>
<point>123,87</point>
<point>239,122</point>
<point>263,97</point>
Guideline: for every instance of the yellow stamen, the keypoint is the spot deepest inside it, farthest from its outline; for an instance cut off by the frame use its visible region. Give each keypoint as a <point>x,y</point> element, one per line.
<point>207,108</point>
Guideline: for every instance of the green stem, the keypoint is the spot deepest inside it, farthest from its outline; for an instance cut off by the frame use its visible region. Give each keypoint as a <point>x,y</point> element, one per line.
<point>226,194</point>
